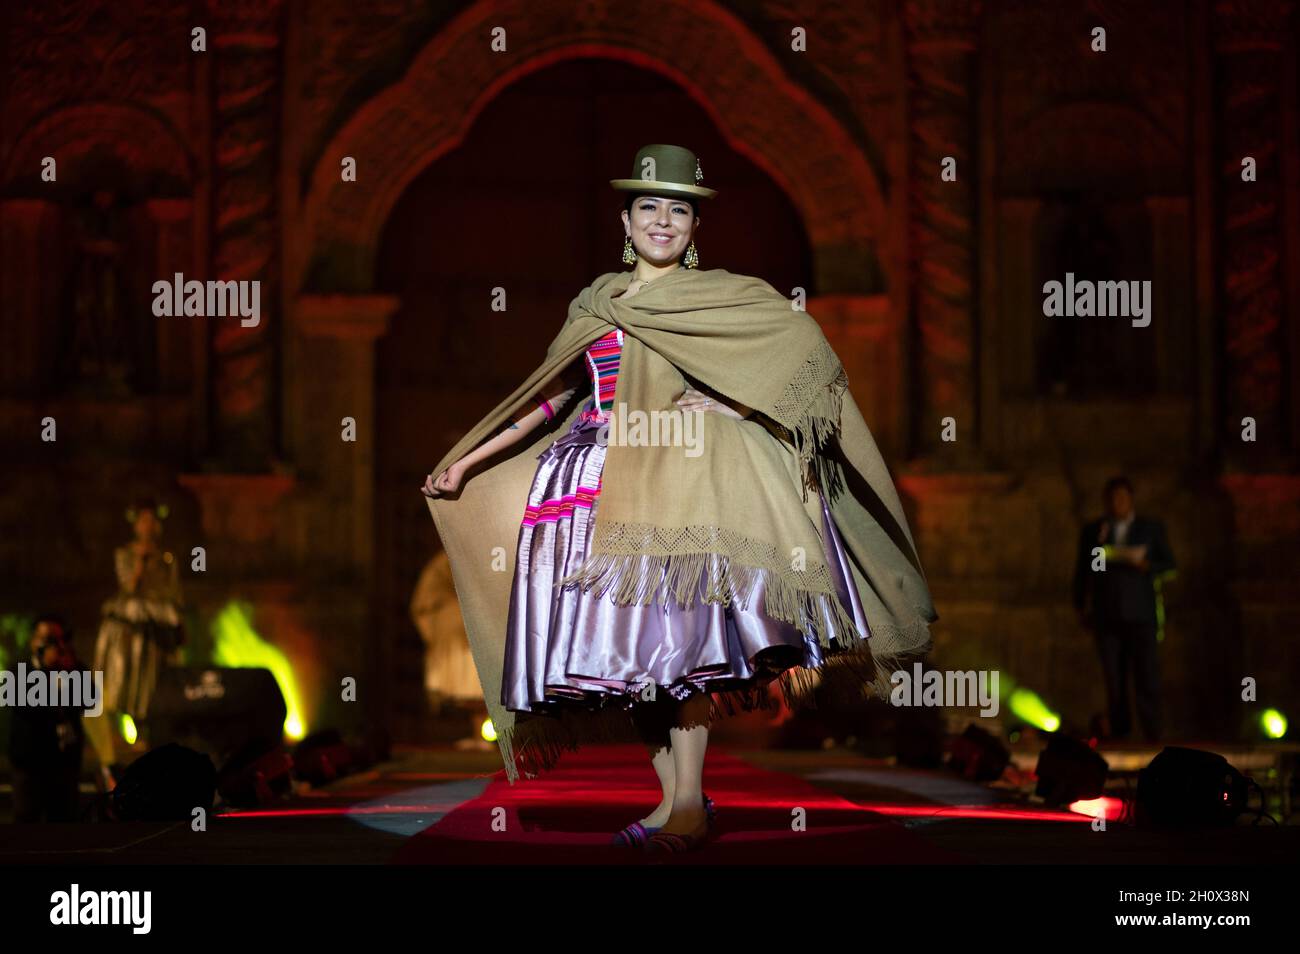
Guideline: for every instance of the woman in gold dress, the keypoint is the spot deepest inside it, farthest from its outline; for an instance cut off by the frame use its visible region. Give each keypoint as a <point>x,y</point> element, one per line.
<point>140,633</point>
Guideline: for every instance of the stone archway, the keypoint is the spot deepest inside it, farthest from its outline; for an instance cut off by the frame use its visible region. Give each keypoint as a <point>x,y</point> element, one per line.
<point>719,62</point>
<point>143,142</point>
<point>337,311</point>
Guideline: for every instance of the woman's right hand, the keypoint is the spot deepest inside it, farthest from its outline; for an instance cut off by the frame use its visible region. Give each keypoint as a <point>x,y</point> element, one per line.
<point>447,482</point>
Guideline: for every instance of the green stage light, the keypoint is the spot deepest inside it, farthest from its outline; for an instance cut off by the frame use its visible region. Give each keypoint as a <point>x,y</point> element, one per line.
<point>1273,723</point>
<point>236,644</point>
<point>1026,705</point>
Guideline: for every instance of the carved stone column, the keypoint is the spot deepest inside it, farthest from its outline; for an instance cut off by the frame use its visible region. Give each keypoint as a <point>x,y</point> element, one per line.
<point>245,38</point>
<point>1250,69</point>
<point>332,376</point>
<point>1254,93</point>
<point>942,94</point>
<point>243,487</point>
<point>27,242</point>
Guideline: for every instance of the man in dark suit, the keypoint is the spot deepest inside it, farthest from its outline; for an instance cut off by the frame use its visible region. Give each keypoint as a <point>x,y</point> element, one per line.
<point>46,741</point>
<point>1115,595</point>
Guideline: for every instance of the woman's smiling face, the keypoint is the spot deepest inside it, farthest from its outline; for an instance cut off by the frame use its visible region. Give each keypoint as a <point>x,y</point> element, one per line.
<point>661,229</point>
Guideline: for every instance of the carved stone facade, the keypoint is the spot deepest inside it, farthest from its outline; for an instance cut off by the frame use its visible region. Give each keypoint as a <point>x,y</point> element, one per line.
<point>227,163</point>
<point>1253,65</point>
<point>942,109</point>
<point>246,40</point>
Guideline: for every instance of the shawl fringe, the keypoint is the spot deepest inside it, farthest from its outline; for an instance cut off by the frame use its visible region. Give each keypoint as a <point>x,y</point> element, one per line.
<point>849,675</point>
<point>809,410</point>
<point>642,578</point>
<point>534,745</point>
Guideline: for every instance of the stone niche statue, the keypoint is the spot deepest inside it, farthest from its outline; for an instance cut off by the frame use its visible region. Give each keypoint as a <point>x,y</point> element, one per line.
<point>102,342</point>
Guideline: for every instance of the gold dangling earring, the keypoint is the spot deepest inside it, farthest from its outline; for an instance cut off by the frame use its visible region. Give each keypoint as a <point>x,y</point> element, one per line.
<point>692,258</point>
<point>629,253</point>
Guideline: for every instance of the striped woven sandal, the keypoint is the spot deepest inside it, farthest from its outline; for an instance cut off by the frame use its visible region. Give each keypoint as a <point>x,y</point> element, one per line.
<point>670,843</point>
<point>636,834</point>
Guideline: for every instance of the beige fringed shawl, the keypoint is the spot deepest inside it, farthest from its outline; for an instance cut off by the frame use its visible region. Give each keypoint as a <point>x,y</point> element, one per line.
<point>664,512</point>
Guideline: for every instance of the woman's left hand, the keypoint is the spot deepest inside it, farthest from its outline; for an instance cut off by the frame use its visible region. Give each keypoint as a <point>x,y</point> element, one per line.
<point>693,400</point>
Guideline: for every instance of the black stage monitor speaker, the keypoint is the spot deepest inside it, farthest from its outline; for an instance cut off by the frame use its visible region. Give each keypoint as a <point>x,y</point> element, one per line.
<point>165,784</point>
<point>1189,788</point>
<point>1069,770</point>
<point>219,711</point>
<point>978,755</point>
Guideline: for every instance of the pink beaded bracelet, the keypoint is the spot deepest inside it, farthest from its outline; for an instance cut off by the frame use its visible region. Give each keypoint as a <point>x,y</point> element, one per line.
<point>545,405</point>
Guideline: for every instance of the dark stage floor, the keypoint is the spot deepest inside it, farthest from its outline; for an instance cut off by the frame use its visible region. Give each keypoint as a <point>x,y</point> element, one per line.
<point>430,806</point>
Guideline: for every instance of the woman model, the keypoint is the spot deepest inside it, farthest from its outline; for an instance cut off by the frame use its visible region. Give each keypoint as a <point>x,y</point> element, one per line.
<point>713,516</point>
<point>140,631</point>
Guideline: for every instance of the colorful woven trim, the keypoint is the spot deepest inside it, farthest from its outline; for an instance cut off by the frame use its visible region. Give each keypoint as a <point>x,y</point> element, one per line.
<point>549,511</point>
<point>603,358</point>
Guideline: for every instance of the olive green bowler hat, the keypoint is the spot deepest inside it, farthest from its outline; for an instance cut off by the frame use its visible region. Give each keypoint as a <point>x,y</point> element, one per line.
<point>670,171</point>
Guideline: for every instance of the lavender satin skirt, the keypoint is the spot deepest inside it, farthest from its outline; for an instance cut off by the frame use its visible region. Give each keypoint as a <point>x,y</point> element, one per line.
<point>565,645</point>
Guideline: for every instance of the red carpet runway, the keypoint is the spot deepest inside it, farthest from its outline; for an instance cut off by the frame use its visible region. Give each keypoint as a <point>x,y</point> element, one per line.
<point>567,816</point>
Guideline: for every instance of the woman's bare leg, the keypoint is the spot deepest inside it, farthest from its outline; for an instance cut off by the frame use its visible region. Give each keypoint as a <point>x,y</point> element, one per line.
<point>689,738</point>
<point>652,720</point>
<point>662,760</point>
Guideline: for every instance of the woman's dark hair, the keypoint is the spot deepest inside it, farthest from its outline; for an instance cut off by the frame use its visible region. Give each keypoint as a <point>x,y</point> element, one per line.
<point>632,197</point>
<point>143,503</point>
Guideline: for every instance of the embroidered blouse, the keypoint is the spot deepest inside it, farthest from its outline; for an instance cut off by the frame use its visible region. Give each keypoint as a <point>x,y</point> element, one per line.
<point>602,359</point>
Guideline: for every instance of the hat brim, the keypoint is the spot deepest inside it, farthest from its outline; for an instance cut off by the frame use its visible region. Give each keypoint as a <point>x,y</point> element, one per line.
<point>672,189</point>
